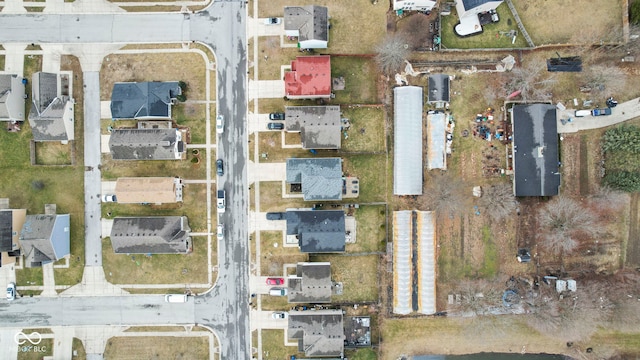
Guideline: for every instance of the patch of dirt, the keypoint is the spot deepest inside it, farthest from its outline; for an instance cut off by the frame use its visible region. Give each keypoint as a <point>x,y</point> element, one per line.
<point>633,243</point>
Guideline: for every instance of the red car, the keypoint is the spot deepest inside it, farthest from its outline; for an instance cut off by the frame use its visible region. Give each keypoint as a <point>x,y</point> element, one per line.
<point>275,281</point>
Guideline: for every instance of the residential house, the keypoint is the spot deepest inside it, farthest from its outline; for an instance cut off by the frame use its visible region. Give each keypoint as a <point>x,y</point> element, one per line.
<point>310,24</point>
<point>45,239</point>
<point>414,262</point>
<point>312,283</point>
<point>317,231</point>
<point>535,150</point>
<point>439,94</point>
<point>148,190</point>
<point>319,126</point>
<point>309,78</point>
<point>413,5</point>
<point>146,144</point>
<point>320,333</point>
<point>468,11</point>
<point>151,235</point>
<point>11,222</point>
<point>319,179</point>
<point>143,100</point>
<point>12,95</point>
<point>52,110</point>
<point>407,154</point>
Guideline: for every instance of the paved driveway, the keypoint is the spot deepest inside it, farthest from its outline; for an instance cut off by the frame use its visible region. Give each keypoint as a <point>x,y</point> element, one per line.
<point>624,111</point>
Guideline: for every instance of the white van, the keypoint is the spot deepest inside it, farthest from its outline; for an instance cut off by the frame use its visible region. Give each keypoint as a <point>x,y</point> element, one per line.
<point>582,113</point>
<point>278,292</point>
<point>175,298</point>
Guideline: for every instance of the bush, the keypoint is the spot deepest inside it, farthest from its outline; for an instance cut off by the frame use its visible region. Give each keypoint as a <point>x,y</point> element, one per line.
<point>181,98</point>
<point>634,12</point>
<point>37,185</point>
<point>183,85</point>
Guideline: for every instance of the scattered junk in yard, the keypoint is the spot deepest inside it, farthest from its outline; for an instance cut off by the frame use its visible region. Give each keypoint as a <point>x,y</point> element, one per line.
<point>338,83</point>
<point>564,64</point>
<point>451,124</point>
<point>510,297</point>
<point>611,102</point>
<point>477,191</point>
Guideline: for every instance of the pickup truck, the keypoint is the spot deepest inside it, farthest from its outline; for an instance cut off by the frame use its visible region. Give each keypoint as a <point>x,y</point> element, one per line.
<point>221,201</point>
<point>601,112</point>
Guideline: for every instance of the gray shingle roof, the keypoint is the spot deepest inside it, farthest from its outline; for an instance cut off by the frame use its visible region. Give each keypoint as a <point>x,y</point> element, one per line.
<point>438,88</point>
<point>143,100</point>
<point>317,231</point>
<point>6,230</point>
<point>319,333</point>
<point>321,178</point>
<point>11,98</point>
<point>146,144</point>
<point>49,111</point>
<point>45,238</point>
<point>319,126</point>
<point>311,21</point>
<point>535,143</point>
<point>312,283</point>
<point>151,235</point>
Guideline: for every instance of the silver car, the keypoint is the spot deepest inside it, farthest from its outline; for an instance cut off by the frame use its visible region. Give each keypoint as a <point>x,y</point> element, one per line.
<point>11,291</point>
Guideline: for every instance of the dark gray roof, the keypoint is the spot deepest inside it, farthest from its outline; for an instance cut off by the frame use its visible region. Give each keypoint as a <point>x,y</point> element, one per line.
<point>46,116</point>
<point>317,231</point>
<point>321,178</point>
<point>143,100</point>
<point>6,230</point>
<point>319,332</point>
<point>151,235</point>
<point>438,88</point>
<point>319,126</point>
<point>470,4</point>
<point>145,144</point>
<point>312,283</point>
<point>535,143</point>
<point>45,239</point>
<point>311,21</point>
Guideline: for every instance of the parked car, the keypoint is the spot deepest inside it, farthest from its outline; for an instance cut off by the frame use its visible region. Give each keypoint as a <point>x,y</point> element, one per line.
<point>219,167</point>
<point>109,198</point>
<point>278,292</point>
<point>219,124</point>
<point>220,232</point>
<point>275,281</point>
<point>276,116</point>
<point>601,112</point>
<point>272,21</point>
<point>275,216</point>
<point>279,315</point>
<point>11,291</point>
<point>275,126</point>
<point>176,298</point>
<point>221,201</point>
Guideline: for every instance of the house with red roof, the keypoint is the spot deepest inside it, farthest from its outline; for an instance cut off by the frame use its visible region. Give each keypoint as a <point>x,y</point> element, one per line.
<point>309,78</point>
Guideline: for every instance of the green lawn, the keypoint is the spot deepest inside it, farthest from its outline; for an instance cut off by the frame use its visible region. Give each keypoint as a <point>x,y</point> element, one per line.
<point>273,257</point>
<point>156,269</point>
<point>193,116</point>
<point>271,198</point>
<point>186,169</point>
<point>36,352</point>
<point>361,354</point>
<point>360,80</point>
<point>273,346</point>
<point>489,38</point>
<point>371,229</point>
<point>169,347</point>
<point>359,275</point>
<point>367,131</point>
<point>369,169</point>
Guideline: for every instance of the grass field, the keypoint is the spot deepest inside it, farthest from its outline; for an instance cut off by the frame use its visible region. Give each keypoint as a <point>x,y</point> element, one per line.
<point>367,132</point>
<point>134,348</point>
<point>367,168</point>
<point>569,21</point>
<point>371,229</point>
<point>53,153</point>
<point>273,346</point>
<point>348,19</point>
<point>271,198</point>
<point>359,275</point>
<point>360,80</point>
<point>113,169</point>
<point>271,57</point>
<point>37,352</point>
<point>154,67</point>
<point>78,347</point>
<point>489,38</point>
<point>193,116</point>
<point>156,269</point>
<point>273,257</point>
<point>271,144</point>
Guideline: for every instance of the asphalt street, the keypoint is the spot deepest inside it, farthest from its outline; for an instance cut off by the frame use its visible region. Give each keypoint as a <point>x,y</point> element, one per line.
<point>222,26</point>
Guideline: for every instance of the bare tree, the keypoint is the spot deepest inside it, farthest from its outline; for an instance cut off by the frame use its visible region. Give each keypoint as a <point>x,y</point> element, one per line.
<point>392,53</point>
<point>447,194</point>
<point>562,221</point>
<point>532,80</point>
<point>605,79</point>
<point>498,201</point>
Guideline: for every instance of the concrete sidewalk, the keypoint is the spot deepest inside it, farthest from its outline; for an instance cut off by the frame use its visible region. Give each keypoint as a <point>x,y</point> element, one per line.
<point>94,284</point>
<point>14,59</point>
<point>48,281</point>
<point>624,111</point>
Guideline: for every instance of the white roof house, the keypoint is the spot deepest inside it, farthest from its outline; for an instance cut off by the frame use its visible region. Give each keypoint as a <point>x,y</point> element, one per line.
<point>468,11</point>
<point>407,155</point>
<point>413,5</point>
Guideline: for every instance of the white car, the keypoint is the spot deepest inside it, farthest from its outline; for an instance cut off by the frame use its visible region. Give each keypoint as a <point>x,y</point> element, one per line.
<point>272,21</point>
<point>279,315</point>
<point>220,232</point>
<point>219,124</point>
<point>11,291</point>
<point>109,198</point>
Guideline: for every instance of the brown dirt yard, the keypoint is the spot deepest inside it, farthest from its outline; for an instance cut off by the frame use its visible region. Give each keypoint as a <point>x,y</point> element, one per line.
<point>571,21</point>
